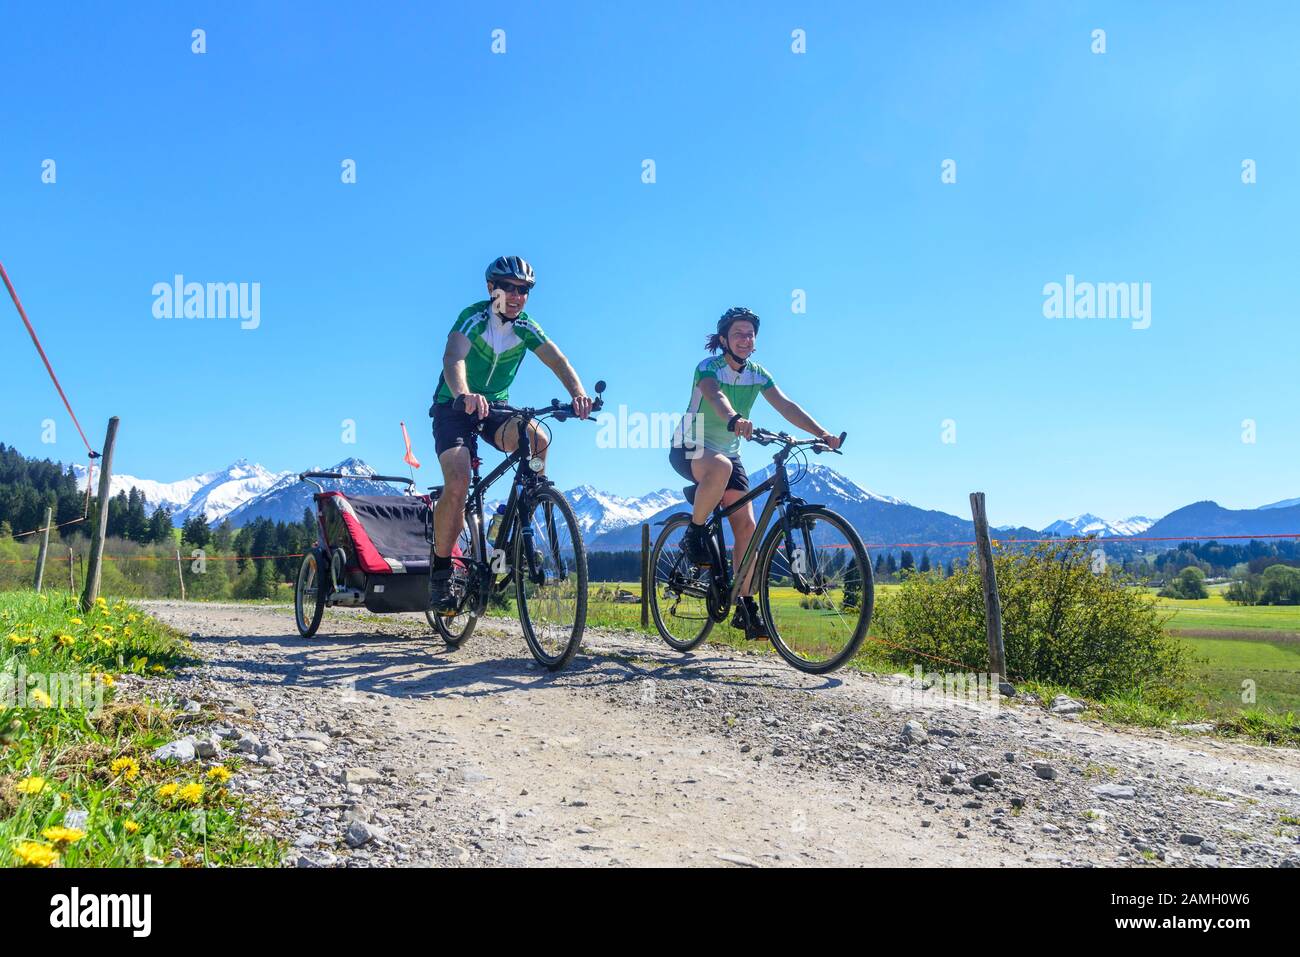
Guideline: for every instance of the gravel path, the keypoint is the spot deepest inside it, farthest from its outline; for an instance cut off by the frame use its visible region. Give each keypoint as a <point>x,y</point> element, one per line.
<point>382,748</point>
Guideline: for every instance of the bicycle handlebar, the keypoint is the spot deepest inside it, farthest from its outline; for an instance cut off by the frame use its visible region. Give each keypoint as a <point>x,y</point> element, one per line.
<point>558,410</point>
<point>766,437</point>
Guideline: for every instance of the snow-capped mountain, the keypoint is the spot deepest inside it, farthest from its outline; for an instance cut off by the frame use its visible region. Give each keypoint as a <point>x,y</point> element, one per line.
<point>229,490</point>
<point>600,512</point>
<point>1088,524</point>
<point>823,482</point>
<point>216,493</point>
<point>1286,503</point>
<point>285,500</point>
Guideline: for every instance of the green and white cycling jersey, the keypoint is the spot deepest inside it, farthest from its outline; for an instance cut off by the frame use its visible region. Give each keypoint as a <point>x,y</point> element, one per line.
<point>496,347</point>
<point>702,422</point>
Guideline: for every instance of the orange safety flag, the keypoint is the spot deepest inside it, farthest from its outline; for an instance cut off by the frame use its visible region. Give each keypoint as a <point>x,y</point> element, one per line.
<point>409,458</point>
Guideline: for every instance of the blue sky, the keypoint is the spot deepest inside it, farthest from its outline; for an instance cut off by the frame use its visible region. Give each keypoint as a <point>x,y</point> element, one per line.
<point>775,171</point>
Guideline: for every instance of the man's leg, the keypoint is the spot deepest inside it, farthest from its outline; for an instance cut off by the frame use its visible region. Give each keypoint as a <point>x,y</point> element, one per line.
<point>449,512</point>
<point>507,439</point>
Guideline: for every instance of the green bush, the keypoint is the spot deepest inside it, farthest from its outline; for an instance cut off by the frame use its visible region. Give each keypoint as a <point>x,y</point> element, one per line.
<point>1062,624</point>
<point>1190,584</point>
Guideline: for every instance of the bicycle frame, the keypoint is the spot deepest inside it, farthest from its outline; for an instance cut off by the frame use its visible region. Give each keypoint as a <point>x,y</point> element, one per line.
<point>780,497</point>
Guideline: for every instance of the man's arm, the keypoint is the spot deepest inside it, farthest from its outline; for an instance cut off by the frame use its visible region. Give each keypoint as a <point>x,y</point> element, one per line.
<point>796,416</point>
<point>453,370</point>
<point>556,361</point>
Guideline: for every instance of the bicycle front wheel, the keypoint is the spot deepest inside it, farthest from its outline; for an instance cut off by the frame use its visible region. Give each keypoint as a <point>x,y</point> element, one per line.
<point>550,566</point>
<point>816,590</point>
<point>678,590</point>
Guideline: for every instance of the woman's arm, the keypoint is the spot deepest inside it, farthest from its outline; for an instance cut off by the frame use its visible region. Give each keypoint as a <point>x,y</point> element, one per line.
<point>793,413</point>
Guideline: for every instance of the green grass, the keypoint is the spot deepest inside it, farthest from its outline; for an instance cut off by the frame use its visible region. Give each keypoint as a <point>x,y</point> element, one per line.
<point>1217,617</point>
<point>58,757</point>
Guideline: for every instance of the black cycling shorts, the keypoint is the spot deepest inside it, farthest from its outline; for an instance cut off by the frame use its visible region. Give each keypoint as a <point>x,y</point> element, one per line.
<point>682,465</point>
<point>451,427</point>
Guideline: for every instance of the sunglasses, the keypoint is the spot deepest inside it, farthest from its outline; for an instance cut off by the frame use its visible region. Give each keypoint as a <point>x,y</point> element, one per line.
<point>516,288</point>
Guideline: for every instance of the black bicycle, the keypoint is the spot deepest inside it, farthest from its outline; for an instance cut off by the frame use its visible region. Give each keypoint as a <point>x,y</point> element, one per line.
<point>815,587</point>
<point>536,545</point>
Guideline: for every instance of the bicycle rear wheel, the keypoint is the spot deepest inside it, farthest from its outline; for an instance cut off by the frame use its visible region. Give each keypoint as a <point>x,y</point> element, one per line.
<point>456,629</point>
<point>678,590</point>
<point>550,566</point>
<point>816,591</point>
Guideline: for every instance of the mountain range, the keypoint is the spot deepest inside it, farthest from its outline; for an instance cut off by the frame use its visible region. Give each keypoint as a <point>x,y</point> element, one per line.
<point>243,492</point>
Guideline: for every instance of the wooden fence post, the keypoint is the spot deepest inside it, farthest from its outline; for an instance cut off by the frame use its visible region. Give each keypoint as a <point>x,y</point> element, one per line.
<point>647,579</point>
<point>992,602</point>
<point>91,591</point>
<point>44,549</point>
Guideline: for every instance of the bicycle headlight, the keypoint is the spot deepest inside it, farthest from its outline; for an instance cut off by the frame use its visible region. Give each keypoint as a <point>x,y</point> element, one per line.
<point>536,464</point>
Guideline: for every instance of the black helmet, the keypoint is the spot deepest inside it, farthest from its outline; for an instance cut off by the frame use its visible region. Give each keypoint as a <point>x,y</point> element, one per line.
<point>733,314</point>
<point>510,267</point>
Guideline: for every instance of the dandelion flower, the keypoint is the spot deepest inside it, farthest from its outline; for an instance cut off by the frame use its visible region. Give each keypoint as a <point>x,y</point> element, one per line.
<point>167,790</point>
<point>76,621</point>
<point>109,681</point>
<point>36,855</point>
<point>219,774</point>
<point>193,793</point>
<point>41,698</point>
<point>157,669</point>
<point>128,768</point>
<point>30,785</point>
<point>63,835</point>
<point>67,640</point>
<point>130,827</point>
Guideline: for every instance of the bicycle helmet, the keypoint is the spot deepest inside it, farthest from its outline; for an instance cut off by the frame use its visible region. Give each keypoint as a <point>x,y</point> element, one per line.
<point>734,314</point>
<point>510,267</point>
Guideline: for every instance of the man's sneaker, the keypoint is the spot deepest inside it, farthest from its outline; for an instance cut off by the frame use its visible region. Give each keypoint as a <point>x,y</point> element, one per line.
<point>695,544</point>
<point>442,592</point>
<point>751,621</point>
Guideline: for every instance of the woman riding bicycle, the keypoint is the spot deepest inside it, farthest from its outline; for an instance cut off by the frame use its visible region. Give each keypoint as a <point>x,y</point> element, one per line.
<point>706,445</point>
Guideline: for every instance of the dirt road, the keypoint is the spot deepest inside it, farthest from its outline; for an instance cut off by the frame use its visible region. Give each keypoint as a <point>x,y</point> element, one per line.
<point>385,748</point>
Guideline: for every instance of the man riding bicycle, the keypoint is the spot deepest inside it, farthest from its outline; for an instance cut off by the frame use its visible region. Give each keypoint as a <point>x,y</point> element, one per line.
<point>484,350</point>
<point>706,446</point>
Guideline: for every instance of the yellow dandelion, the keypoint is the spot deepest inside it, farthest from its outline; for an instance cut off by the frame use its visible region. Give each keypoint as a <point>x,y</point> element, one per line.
<point>30,785</point>
<point>76,621</point>
<point>36,855</point>
<point>63,835</point>
<point>33,653</point>
<point>193,793</point>
<point>130,827</point>
<point>128,768</point>
<point>157,669</point>
<point>109,680</point>
<point>219,774</point>
<point>101,602</point>
<point>107,627</point>
<point>132,617</point>
<point>67,640</point>
<point>41,698</point>
<point>167,790</point>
